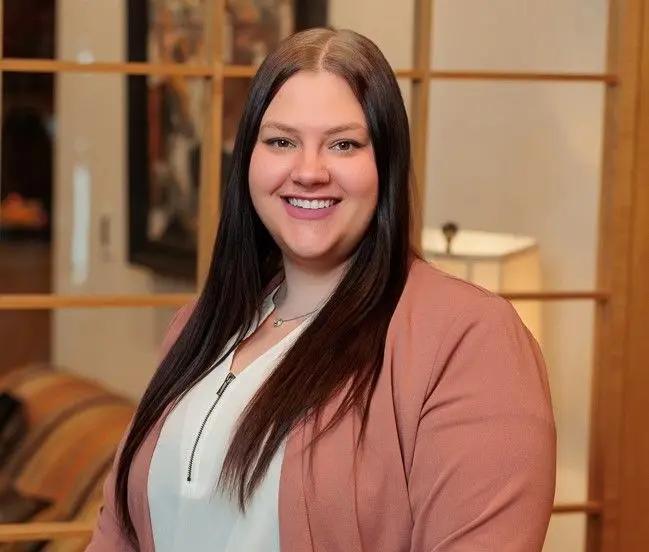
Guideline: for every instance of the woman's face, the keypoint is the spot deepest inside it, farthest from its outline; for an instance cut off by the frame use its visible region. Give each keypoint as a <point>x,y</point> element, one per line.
<point>314,144</point>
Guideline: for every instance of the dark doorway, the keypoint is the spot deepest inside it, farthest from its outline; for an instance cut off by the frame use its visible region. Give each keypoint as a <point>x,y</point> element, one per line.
<point>26,179</point>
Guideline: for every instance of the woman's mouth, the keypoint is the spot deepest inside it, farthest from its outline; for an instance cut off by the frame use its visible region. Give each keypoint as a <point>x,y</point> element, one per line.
<point>310,209</point>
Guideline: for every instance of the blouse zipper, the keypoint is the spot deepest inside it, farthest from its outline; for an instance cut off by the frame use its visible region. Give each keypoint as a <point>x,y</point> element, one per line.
<point>230,376</point>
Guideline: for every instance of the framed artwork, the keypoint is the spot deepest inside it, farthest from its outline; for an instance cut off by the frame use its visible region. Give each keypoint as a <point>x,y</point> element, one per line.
<point>166,114</point>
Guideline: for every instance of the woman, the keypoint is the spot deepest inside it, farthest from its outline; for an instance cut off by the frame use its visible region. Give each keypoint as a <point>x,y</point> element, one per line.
<point>329,390</point>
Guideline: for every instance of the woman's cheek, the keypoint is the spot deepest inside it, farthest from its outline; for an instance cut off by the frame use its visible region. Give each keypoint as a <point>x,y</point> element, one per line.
<point>268,171</point>
<point>358,179</point>
<point>255,171</point>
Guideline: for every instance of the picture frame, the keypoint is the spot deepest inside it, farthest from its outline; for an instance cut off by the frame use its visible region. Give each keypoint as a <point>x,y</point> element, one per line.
<point>165,114</point>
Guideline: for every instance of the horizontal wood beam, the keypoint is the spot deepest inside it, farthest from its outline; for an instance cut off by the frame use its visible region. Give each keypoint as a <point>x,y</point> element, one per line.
<point>10,65</point>
<point>15,65</point>
<point>248,71</point>
<point>239,71</point>
<point>50,301</point>
<point>46,301</point>
<point>599,296</point>
<point>18,65</point>
<point>524,76</point>
<point>590,508</point>
<point>13,532</point>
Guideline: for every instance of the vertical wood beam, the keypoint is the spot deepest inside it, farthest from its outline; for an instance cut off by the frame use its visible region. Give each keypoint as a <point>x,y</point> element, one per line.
<point>419,112</point>
<point>634,454</point>
<point>2,30</point>
<point>619,449</point>
<point>210,183</point>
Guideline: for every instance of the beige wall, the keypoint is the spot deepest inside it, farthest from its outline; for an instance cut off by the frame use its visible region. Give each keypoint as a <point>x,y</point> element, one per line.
<point>116,346</point>
<point>389,24</point>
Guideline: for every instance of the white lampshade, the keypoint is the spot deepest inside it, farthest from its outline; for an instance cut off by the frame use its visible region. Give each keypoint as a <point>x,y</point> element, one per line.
<point>497,262</point>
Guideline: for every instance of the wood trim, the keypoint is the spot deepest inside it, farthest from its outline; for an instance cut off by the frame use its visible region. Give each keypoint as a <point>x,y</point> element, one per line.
<point>415,74</point>
<point>11,65</point>
<point>239,71</point>
<point>634,452</point>
<point>620,469</point>
<point>19,65</point>
<point>23,65</point>
<point>248,71</point>
<point>58,301</point>
<point>619,453</point>
<point>590,508</point>
<point>605,78</point>
<point>13,532</point>
<point>423,14</point>
<point>15,65</point>
<point>599,296</point>
<point>210,186</point>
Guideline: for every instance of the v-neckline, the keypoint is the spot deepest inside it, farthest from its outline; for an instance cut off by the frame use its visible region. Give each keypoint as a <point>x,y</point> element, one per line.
<point>267,309</point>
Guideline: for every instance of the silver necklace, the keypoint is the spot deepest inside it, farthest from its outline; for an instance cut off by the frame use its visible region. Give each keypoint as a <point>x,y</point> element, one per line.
<point>279,321</point>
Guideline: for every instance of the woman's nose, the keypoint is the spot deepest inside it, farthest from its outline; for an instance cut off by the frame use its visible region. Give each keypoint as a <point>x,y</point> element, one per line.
<point>310,170</point>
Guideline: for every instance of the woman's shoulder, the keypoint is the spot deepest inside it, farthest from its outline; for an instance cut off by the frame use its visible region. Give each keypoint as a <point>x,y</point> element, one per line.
<point>445,318</point>
<point>467,340</point>
<point>437,297</point>
<point>175,326</point>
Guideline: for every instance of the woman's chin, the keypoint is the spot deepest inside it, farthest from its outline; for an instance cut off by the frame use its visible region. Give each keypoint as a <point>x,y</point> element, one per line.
<point>306,253</point>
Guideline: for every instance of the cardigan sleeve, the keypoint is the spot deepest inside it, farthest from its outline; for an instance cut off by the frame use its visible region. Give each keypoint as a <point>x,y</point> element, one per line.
<point>483,471</point>
<point>108,535</point>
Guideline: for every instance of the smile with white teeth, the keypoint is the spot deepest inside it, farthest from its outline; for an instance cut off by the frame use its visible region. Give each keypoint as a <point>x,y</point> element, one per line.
<point>313,204</point>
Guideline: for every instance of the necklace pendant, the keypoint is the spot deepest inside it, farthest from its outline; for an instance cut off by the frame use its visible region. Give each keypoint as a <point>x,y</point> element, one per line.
<point>278,322</point>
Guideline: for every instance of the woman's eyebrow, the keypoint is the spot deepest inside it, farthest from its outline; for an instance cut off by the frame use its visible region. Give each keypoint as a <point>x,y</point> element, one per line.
<point>332,130</point>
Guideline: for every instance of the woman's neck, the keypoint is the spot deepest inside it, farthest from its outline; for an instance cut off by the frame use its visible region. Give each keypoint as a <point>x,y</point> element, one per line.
<point>304,288</point>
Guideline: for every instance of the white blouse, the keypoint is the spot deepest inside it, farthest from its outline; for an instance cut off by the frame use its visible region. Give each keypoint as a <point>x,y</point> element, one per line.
<point>190,515</point>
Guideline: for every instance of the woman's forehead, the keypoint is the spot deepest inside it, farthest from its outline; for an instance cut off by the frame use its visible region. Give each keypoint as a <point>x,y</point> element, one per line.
<point>319,99</point>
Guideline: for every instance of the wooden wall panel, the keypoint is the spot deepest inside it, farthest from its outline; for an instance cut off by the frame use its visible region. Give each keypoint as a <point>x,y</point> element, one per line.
<point>419,112</point>
<point>210,185</point>
<point>619,467</point>
<point>634,453</point>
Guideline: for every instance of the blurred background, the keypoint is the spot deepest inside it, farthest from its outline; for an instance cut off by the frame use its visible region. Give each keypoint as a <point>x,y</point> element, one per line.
<point>529,122</point>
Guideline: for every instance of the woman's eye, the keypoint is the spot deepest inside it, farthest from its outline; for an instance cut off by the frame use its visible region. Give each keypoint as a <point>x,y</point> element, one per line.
<point>279,143</point>
<point>346,145</point>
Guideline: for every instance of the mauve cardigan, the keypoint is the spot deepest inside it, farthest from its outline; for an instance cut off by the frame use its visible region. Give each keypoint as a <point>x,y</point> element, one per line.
<point>459,453</point>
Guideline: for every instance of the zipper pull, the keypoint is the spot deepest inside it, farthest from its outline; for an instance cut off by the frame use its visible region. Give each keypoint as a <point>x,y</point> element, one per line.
<point>225,383</point>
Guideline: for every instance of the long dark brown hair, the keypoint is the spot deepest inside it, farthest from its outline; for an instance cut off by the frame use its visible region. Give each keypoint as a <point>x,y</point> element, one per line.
<point>328,357</point>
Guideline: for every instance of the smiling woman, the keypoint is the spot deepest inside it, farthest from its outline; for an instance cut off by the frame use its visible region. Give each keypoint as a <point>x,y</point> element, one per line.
<point>314,161</point>
<point>329,389</point>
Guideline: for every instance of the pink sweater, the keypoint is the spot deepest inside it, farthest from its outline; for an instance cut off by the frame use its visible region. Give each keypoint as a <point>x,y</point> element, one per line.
<point>459,453</point>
